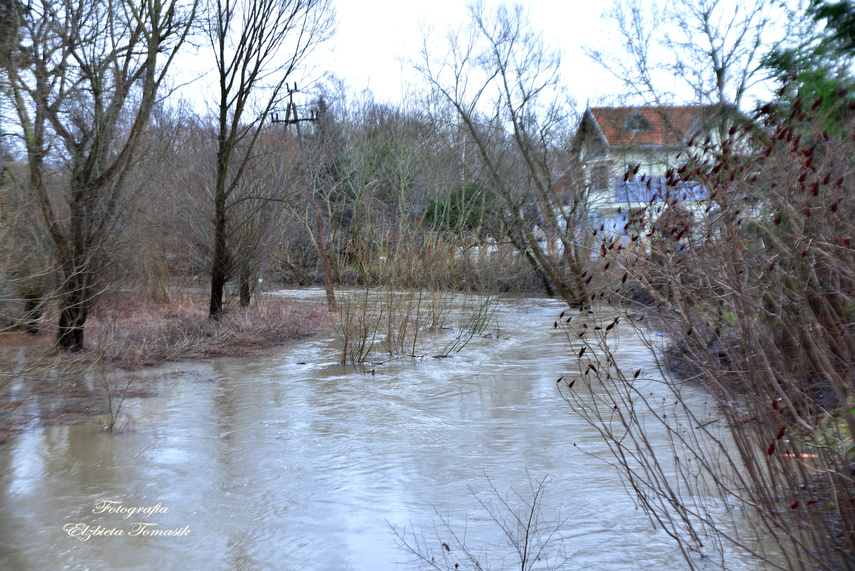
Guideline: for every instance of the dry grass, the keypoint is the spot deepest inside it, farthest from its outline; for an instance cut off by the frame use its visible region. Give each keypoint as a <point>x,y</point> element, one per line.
<point>131,335</point>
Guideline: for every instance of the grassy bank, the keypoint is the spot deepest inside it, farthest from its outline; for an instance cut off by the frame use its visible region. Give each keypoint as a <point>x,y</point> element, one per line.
<point>130,334</point>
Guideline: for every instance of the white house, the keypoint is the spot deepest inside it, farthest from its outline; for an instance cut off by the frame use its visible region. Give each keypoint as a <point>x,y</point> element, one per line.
<point>626,151</point>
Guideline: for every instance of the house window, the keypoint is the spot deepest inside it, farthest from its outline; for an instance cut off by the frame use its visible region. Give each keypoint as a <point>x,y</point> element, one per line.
<point>636,122</point>
<point>600,177</point>
<point>646,169</point>
<point>631,175</point>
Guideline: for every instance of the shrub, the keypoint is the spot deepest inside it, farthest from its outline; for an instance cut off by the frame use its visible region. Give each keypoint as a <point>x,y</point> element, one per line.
<point>753,286</point>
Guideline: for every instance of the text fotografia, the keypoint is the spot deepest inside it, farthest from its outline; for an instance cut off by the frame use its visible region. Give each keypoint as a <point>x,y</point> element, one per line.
<point>84,532</point>
<point>112,507</point>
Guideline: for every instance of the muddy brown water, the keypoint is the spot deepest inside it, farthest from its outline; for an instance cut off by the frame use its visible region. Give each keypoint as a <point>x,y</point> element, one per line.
<point>292,461</point>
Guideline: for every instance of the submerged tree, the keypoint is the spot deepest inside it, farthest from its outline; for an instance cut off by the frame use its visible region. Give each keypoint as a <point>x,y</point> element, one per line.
<point>83,80</point>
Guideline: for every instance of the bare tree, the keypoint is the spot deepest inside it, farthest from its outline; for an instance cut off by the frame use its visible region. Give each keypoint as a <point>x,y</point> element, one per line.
<point>711,49</point>
<point>503,88</point>
<point>178,150</point>
<point>83,79</point>
<point>28,274</point>
<point>257,46</point>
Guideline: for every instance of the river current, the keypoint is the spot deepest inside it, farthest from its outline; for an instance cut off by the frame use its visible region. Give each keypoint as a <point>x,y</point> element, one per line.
<point>293,461</point>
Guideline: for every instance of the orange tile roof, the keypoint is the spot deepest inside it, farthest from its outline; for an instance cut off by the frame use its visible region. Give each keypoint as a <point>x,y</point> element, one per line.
<point>665,126</point>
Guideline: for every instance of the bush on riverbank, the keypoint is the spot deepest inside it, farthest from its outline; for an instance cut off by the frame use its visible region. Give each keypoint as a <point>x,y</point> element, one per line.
<point>754,288</point>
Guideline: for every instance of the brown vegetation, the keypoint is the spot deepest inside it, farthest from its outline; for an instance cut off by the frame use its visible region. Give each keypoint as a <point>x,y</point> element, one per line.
<point>128,333</point>
<point>131,334</point>
<point>753,286</point>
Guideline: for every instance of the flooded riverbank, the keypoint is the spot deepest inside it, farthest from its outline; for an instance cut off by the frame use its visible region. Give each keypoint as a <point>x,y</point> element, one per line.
<point>293,461</point>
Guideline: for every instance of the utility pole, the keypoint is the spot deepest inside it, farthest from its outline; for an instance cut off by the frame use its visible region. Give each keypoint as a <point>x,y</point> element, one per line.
<point>292,118</point>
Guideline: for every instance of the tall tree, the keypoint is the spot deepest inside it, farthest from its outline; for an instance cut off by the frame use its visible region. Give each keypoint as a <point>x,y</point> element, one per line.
<point>503,87</point>
<point>257,45</point>
<point>708,51</point>
<point>83,80</point>
<point>818,67</point>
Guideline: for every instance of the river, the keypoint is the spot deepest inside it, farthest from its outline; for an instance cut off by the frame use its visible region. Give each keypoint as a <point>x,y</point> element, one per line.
<point>293,461</point>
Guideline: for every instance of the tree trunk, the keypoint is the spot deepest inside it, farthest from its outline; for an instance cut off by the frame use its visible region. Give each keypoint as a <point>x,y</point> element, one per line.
<point>80,258</point>
<point>72,317</point>
<point>245,289</point>
<point>218,282</point>
<point>220,263</point>
<point>32,312</point>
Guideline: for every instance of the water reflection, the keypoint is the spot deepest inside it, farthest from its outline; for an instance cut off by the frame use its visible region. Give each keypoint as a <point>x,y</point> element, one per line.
<point>275,464</point>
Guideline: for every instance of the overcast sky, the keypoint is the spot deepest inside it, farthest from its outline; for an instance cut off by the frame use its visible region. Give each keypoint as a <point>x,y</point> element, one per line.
<point>376,37</point>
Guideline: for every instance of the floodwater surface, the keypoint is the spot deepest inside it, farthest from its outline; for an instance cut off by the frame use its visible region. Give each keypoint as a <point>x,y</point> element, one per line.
<point>292,461</point>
